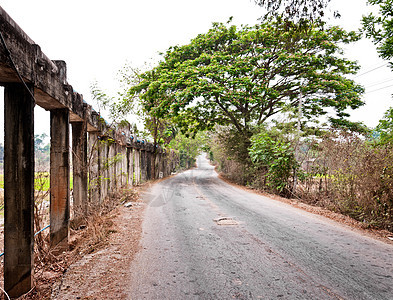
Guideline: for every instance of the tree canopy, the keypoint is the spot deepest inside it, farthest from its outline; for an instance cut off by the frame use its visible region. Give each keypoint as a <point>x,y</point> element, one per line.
<point>245,76</point>
<point>295,9</point>
<point>380,27</point>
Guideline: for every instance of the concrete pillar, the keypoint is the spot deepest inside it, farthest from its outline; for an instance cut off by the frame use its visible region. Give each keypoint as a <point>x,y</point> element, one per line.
<point>166,163</point>
<point>130,166</point>
<point>103,170</point>
<point>119,166</point>
<point>94,176</point>
<point>59,178</point>
<point>120,159</point>
<point>106,170</point>
<point>79,163</point>
<point>143,165</point>
<point>137,166</point>
<point>112,167</point>
<point>160,163</point>
<point>157,164</point>
<point>124,167</point>
<point>18,189</point>
<point>149,157</point>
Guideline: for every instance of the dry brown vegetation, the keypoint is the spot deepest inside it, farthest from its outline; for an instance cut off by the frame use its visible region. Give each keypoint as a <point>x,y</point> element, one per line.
<point>342,172</point>
<point>346,174</point>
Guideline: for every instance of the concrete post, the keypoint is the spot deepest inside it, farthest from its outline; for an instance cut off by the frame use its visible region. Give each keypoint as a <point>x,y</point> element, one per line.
<point>165,164</point>
<point>18,189</point>
<point>143,165</point>
<point>79,163</point>
<point>94,176</point>
<point>137,166</point>
<point>160,165</point>
<point>117,166</point>
<point>130,166</point>
<point>120,165</point>
<point>59,178</point>
<point>103,171</point>
<point>124,167</point>
<point>112,167</point>
<point>148,165</point>
<point>106,170</point>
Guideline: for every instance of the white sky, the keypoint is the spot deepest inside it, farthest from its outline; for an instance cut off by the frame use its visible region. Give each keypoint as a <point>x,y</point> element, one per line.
<point>96,38</point>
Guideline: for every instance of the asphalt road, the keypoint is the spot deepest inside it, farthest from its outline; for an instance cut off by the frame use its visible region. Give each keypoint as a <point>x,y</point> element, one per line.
<point>274,251</point>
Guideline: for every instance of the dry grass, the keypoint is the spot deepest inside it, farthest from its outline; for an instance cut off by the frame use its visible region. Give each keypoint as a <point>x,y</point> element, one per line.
<point>357,180</point>
<point>87,238</point>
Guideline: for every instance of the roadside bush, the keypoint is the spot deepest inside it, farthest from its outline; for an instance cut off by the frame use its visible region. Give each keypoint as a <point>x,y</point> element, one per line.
<point>274,157</point>
<point>230,152</point>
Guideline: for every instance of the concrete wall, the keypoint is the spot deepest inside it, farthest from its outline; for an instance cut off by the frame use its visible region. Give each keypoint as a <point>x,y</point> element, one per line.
<point>104,160</point>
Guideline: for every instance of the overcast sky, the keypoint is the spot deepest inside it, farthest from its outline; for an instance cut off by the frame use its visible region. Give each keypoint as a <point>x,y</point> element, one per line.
<point>96,38</point>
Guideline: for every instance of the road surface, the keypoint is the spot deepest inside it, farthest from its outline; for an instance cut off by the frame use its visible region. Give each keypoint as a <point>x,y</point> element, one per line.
<point>266,250</point>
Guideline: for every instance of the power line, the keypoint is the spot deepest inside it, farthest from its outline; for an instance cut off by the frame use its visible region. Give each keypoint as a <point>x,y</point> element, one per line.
<point>378,83</point>
<point>385,87</point>
<point>371,70</point>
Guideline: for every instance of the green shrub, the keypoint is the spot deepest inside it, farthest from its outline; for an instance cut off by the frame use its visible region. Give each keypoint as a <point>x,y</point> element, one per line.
<point>276,157</point>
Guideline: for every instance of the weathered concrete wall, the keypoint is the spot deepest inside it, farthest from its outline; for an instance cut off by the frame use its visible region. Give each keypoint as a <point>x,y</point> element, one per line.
<point>104,160</point>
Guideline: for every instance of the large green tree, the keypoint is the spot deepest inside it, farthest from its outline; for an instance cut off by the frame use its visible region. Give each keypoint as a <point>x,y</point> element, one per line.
<point>380,27</point>
<point>245,76</point>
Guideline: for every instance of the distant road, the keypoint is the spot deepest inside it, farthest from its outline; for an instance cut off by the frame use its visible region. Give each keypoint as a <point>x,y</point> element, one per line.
<point>272,250</point>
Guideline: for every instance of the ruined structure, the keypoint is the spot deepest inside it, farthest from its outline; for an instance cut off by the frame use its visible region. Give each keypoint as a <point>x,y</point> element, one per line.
<point>103,160</point>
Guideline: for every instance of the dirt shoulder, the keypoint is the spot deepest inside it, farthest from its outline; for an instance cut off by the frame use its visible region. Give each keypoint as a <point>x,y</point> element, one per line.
<point>102,273</point>
<point>382,235</point>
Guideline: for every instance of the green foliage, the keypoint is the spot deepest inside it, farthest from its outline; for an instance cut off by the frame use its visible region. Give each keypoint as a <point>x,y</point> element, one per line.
<point>244,76</point>
<point>188,148</point>
<point>41,181</point>
<point>356,127</point>
<point>110,162</point>
<point>384,129</point>
<point>276,156</point>
<point>380,27</point>
<point>118,108</point>
<point>229,149</point>
<point>159,128</point>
